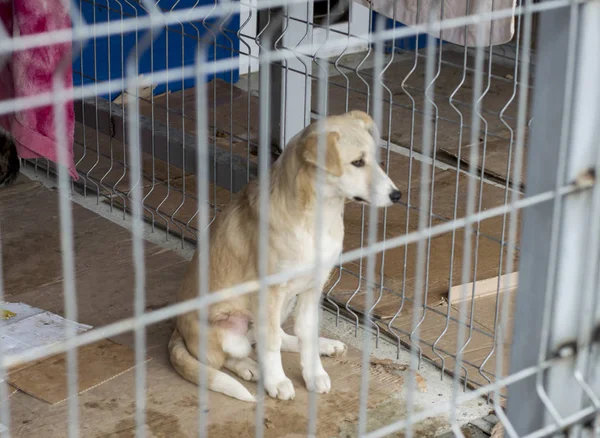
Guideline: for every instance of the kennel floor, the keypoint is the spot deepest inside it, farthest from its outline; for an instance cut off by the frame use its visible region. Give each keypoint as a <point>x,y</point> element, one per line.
<point>104,286</point>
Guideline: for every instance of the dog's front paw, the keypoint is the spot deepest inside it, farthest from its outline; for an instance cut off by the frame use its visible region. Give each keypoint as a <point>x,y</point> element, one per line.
<point>331,347</point>
<point>319,383</point>
<point>282,389</point>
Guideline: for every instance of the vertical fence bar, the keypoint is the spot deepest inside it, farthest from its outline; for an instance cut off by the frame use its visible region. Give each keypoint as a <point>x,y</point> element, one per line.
<point>319,230</point>
<point>138,248</point>
<point>471,229</point>
<point>413,109</point>
<point>536,402</point>
<point>509,177</point>
<point>377,109</point>
<point>264,137</point>
<point>202,159</point>
<point>425,181</point>
<point>66,238</point>
<point>202,185</point>
<point>137,230</point>
<point>429,94</point>
<point>4,396</point>
<point>523,94</point>
<point>68,266</point>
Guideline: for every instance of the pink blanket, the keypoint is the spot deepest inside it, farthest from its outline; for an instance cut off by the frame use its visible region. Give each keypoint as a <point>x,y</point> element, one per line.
<point>30,72</point>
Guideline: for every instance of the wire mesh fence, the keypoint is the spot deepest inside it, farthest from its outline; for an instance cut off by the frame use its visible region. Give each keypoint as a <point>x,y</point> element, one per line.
<point>486,268</point>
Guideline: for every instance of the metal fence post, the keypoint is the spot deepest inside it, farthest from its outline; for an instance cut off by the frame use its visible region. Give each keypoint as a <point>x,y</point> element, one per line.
<point>558,281</point>
<point>290,99</point>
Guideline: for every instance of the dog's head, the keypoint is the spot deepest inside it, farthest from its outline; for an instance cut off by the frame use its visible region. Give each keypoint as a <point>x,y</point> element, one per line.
<point>350,161</point>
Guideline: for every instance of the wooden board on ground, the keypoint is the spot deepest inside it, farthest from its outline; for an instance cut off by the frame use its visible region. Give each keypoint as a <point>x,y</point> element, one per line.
<point>482,288</point>
<point>97,363</point>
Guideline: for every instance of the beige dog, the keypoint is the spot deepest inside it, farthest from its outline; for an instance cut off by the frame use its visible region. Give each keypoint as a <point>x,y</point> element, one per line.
<point>350,155</point>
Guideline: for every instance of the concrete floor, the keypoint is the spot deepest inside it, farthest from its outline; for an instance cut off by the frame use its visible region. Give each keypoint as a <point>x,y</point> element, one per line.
<point>435,391</point>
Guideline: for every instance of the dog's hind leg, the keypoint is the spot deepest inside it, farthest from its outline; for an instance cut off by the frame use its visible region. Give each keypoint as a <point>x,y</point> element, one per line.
<point>236,345</point>
<point>245,368</point>
<point>233,329</point>
<point>327,347</point>
<point>188,366</point>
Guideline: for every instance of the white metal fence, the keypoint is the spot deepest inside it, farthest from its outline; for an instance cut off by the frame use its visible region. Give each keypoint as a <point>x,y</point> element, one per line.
<point>536,109</point>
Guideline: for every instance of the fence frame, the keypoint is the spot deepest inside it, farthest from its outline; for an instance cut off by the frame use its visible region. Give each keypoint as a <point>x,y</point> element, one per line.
<point>556,282</point>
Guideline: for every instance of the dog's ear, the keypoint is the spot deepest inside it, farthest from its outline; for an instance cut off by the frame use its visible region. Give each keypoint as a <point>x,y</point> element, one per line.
<point>368,122</point>
<point>333,161</point>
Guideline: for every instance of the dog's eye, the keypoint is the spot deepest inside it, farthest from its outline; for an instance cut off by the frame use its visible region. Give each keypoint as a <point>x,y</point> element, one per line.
<point>358,163</point>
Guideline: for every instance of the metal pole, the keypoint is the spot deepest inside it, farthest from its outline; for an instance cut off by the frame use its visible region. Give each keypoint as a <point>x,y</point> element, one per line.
<point>554,306</point>
<point>290,99</point>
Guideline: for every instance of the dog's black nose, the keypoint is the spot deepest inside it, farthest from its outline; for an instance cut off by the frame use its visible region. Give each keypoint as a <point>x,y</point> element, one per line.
<point>395,196</point>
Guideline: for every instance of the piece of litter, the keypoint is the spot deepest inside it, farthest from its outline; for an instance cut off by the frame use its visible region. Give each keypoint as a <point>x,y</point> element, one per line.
<point>7,314</point>
<point>391,366</point>
<point>385,318</point>
<point>388,364</point>
<point>38,330</point>
<point>268,423</point>
<point>21,311</point>
<point>421,383</point>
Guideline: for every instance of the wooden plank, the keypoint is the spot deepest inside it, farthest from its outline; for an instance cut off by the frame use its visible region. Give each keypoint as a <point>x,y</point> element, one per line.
<point>482,288</point>
<point>98,363</point>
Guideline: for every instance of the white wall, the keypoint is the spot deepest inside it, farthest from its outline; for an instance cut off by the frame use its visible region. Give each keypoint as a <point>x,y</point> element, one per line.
<point>359,25</point>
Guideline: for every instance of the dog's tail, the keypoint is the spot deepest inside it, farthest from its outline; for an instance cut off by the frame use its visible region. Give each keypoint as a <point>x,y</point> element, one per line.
<point>189,368</point>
